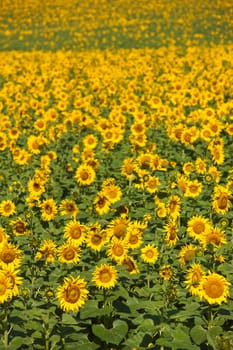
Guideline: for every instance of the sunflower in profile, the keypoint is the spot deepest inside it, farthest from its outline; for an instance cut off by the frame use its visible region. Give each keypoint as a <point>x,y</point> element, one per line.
<point>221,199</point>
<point>149,254</point>
<point>105,276</point>
<point>186,254</point>
<point>12,275</point>
<point>19,227</point>
<point>47,251</point>
<point>73,294</point>
<point>75,232</point>
<point>102,203</point>
<point>68,253</point>
<point>118,226</point>
<point>7,208</point>
<point>198,226</point>
<point>214,288</point>
<point>173,206</point>
<point>10,256</point>
<point>193,278</point>
<point>171,230</point>
<point>68,207</point>
<point>131,265</point>
<point>5,288</point>
<point>48,209</point>
<point>214,236</point>
<point>3,237</point>
<point>85,175</point>
<point>128,168</point>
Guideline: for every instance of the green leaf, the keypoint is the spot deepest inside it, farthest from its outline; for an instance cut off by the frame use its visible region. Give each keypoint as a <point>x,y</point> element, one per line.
<point>17,343</point>
<point>68,319</point>
<point>212,334</point>
<point>91,309</point>
<point>198,334</point>
<point>112,335</point>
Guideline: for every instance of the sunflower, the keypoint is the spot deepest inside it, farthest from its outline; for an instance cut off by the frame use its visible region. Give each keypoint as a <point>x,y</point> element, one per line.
<point>105,276</point>
<point>85,175</point>
<point>5,288</point>
<point>73,294</point>
<point>187,168</point>
<point>10,256</point>
<point>128,168</point>
<point>7,208</point>
<point>194,188</point>
<point>149,254</point>
<point>173,206</point>
<point>171,231</point>
<point>47,251</point>
<point>19,227</point>
<point>215,173</point>
<point>118,249</point>
<point>134,238</point>
<point>96,238</point>
<point>182,183</point>
<point>90,141</point>
<point>36,187</point>
<point>186,254</point>
<point>166,272</point>
<point>221,199</point>
<point>131,265</point>
<point>68,253</point>
<point>198,226</point>
<point>215,235</point>
<point>118,227</point>
<point>75,232</point>
<point>112,193</point>
<point>68,207</point>
<point>214,288</point>
<point>151,185</point>
<point>200,165</point>
<point>3,236</point>
<point>193,278</point>
<point>102,203</point>
<point>12,275</point>
<point>48,209</point>
<point>217,153</point>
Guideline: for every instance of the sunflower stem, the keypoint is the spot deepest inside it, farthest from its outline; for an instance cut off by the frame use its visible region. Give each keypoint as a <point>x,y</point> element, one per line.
<point>6,328</point>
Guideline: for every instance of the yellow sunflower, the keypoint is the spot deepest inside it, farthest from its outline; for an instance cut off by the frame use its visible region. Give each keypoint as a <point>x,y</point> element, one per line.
<point>118,226</point>
<point>7,208</point>
<point>215,235</point>
<point>105,276</point>
<point>194,188</point>
<point>131,265</point>
<point>112,193</point>
<point>47,251</point>
<point>118,250</point>
<point>214,288</point>
<point>166,272</point>
<point>12,275</point>
<point>75,232</point>
<point>90,141</point>
<point>102,203</point>
<point>173,206</point>
<point>68,253</point>
<point>193,278</point>
<point>149,254</point>
<point>221,199</point>
<point>3,236</point>
<point>73,294</point>
<point>48,209</point>
<point>36,187</point>
<point>198,226</point>
<point>134,238</point>
<point>96,238</point>
<point>5,288</point>
<point>85,175</point>
<point>19,227</point>
<point>186,254</point>
<point>68,207</point>
<point>10,256</point>
<point>171,230</point>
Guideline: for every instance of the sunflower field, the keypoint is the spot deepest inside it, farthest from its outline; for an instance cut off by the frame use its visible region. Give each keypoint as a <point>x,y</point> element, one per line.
<point>116,176</point>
